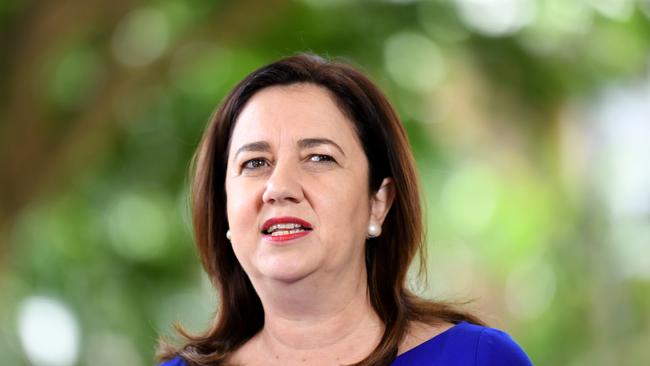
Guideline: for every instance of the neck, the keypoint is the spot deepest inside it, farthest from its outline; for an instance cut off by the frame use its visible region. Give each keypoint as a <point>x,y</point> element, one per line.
<point>319,319</point>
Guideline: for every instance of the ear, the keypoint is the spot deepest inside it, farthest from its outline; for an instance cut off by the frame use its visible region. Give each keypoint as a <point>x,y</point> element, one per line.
<point>381,201</point>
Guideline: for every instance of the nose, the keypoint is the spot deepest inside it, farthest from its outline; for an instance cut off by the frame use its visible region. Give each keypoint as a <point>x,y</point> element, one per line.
<point>283,185</point>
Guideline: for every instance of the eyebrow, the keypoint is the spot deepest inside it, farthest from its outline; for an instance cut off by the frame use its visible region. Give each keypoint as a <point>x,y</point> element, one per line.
<point>313,142</point>
<point>260,146</point>
<point>263,146</point>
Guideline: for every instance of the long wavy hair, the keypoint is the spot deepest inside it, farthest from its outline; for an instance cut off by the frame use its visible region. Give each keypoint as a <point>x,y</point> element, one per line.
<point>240,314</point>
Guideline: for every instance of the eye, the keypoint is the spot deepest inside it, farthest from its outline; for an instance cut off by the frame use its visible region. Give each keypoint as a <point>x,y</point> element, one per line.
<point>254,164</point>
<point>320,158</point>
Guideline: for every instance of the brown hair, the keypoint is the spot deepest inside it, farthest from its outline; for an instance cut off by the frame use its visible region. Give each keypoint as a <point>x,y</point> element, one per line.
<point>386,146</point>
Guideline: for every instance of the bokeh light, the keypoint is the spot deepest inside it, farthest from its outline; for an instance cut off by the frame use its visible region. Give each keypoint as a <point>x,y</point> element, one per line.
<point>48,331</point>
<point>422,70</point>
<point>141,37</point>
<point>497,17</point>
<point>139,226</point>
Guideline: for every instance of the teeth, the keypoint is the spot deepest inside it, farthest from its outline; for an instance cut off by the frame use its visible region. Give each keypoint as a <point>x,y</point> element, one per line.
<point>287,226</point>
<point>286,232</point>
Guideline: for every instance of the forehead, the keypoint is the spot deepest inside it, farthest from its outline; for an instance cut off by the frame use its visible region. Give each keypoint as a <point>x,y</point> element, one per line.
<point>293,111</point>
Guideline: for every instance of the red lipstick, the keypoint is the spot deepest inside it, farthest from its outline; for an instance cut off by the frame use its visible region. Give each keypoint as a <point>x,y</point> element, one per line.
<point>281,229</point>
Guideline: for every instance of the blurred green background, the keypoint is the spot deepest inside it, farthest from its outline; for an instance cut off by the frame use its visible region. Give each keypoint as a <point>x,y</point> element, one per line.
<point>529,119</point>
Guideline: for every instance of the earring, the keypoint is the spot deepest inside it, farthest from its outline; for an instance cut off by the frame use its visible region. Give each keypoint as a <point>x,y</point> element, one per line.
<point>374,230</point>
<point>228,235</point>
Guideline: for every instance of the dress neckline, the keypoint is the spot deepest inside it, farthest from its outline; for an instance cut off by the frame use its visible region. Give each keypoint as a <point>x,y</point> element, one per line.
<point>433,339</point>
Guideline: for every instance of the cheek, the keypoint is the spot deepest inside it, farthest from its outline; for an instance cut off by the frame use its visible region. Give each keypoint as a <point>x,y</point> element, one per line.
<point>240,208</point>
<point>240,205</point>
<point>345,211</point>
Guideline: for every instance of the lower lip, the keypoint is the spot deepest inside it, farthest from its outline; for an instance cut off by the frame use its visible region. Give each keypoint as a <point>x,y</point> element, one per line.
<point>284,238</point>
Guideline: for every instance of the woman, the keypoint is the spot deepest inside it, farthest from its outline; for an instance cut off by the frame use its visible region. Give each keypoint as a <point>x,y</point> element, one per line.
<point>307,216</point>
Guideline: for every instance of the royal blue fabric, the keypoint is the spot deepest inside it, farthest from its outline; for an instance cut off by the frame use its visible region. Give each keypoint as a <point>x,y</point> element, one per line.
<point>464,344</point>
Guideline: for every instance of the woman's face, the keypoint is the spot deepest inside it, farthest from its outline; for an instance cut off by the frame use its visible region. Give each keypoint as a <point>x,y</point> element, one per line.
<point>298,202</point>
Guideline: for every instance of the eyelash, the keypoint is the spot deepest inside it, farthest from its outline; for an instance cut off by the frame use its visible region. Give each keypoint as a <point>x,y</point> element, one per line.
<point>322,158</point>
<point>246,164</point>
<point>325,158</point>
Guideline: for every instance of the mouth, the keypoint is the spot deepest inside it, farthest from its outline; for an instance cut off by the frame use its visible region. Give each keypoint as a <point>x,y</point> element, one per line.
<point>285,228</point>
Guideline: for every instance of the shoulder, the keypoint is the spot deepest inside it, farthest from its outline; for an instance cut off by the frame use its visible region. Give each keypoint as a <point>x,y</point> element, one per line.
<point>491,346</point>
<point>176,361</point>
<point>466,344</point>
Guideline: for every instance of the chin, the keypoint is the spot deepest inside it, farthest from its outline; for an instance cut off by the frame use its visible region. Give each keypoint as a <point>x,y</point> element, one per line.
<point>285,272</point>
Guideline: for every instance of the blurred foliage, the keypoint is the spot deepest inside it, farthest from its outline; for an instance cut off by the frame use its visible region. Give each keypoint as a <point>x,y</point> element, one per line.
<point>529,121</point>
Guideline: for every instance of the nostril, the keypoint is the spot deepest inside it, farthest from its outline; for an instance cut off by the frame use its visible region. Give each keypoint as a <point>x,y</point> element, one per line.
<point>276,193</point>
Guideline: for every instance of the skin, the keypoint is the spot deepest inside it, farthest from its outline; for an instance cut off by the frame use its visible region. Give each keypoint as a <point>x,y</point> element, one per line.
<point>313,288</point>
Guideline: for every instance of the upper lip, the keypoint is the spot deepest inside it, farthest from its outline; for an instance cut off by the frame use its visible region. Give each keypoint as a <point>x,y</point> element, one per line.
<point>285,220</point>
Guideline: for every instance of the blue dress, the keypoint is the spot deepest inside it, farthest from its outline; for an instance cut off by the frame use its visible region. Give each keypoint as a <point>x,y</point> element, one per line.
<point>464,344</point>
